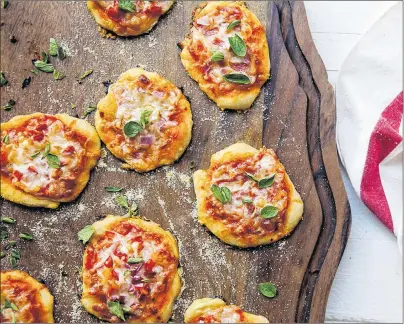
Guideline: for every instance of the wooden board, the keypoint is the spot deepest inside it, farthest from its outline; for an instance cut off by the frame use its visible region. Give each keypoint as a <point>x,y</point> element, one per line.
<point>295,115</point>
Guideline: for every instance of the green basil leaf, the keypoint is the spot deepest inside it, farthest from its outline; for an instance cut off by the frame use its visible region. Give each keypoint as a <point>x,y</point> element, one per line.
<point>47,150</point>
<point>85,75</point>
<point>132,128</point>
<point>35,155</point>
<point>85,233</point>
<point>247,201</point>
<point>89,110</point>
<point>3,233</point>
<point>267,181</point>
<point>237,45</point>
<point>122,201</point>
<point>53,161</point>
<point>144,117</point>
<point>127,5</point>
<point>61,53</point>
<point>58,75</point>
<point>8,220</point>
<point>53,47</point>
<point>133,210</point>
<point>26,236</point>
<point>45,57</point>
<point>217,56</point>
<point>237,78</point>
<point>8,304</point>
<point>233,24</point>
<point>3,80</point>
<point>43,66</point>
<point>135,260</point>
<point>267,289</point>
<point>4,4</point>
<point>252,177</point>
<point>9,105</point>
<point>223,194</point>
<point>6,139</point>
<point>269,211</point>
<point>115,308</point>
<point>113,189</point>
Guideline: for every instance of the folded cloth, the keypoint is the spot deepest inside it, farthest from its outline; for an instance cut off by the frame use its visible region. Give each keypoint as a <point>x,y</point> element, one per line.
<point>369,119</point>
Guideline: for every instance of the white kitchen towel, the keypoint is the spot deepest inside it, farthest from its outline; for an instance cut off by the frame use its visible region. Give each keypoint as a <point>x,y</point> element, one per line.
<point>369,97</point>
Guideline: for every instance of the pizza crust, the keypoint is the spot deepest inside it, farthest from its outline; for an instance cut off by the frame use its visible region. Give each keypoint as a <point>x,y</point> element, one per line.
<point>242,97</point>
<point>88,300</point>
<point>107,108</point>
<point>199,307</point>
<point>40,311</point>
<point>93,152</point>
<point>134,28</point>
<point>294,210</point>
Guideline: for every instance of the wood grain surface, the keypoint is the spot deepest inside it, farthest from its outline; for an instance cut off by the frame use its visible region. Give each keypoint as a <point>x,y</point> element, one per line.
<point>295,115</point>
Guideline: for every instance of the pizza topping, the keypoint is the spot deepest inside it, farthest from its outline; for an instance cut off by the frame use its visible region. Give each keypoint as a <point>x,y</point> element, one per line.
<point>39,158</point>
<point>224,314</point>
<point>217,56</point>
<point>256,196</point>
<point>267,289</point>
<point>121,10</point>
<point>85,234</point>
<point>237,45</point>
<point>130,267</point>
<point>237,78</point>
<point>233,24</point>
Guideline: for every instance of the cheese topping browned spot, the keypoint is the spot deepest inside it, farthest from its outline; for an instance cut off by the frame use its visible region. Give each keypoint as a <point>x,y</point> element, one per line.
<point>224,314</point>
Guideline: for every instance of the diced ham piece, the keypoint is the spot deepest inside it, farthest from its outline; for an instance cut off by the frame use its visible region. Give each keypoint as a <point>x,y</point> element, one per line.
<point>210,32</point>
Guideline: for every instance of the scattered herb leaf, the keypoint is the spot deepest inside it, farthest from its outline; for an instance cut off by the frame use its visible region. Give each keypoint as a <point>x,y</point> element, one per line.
<point>233,24</point>
<point>85,75</point>
<point>35,155</point>
<point>127,5</point>
<point>44,67</point>
<point>53,47</point>
<point>58,75</point>
<point>35,71</point>
<point>6,139</point>
<point>122,201</point>
<point>144,117</point>
<point>115,308</point>
<point>26,236</point>
<point>3,80</point>
<point>237,78</point>
<point>73,106</point>
<point>135,260</point>
<point>267,289</point>
<point>134,209</point>
<point>237,45</point>
<point>4,4</point>
<point>269,211</point>
<point>45,57</point>
<point>26,82</point>
<point>217,56</point>
<point>8,220</point>
<point>61,53</point>
<point>15,257</point>
<point>132,128</point>
<point>85,234</point>
<point>9,105</point>
<point>53,161</point>
<point>47,150</point>
<point>252,177</point>
<point>113,189</point>
<point>89,110</point>
<point>8,304</point>
<point>3,233</point>
<point>223,194</point>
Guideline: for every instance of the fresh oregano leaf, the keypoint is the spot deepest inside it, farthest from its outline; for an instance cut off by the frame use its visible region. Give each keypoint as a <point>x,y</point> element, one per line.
<point>144,117</point>
<point>26,236</point>
<point>58,75</point>
<point>44,67</point>
<point>217,56</point>
<point>53,47</point>
<point>223,194</point>
<point>267,289</point>
<point>267,181</point>
<point>132,128</point>
<point>53,161</point>
<point>45,57</point>
<point>127,5</point>
<point>115,308</point>
<point>122,201</point>
<point>113,189</point>
<point>47,150</point>
<point>239,78</point>
<point>85,75</point>
<point>33,156</point>
<point>89,110</point>
<point>85,233</point>
<point>233,24</point>
<point>3,233</point>
<point>269,211</point>
<point>252,177</point>
<point>237,45</point>
<point>3,80</point>
<point>8,220</point>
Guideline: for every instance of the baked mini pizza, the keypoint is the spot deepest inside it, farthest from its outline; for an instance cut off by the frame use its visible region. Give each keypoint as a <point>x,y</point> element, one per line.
<point>128,17</point>
<point>24,299</point>
<point>215,310</point>
<point>46,159</point>
<point>130,271</point>
<point>144,120</point>
<point>227,53</point>
<point>246,197</point>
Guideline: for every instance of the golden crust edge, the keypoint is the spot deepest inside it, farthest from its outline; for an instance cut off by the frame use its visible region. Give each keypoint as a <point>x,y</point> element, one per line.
<point>46,297</point>
<point>294,211</point>
<point>108,103</point>
<point>18,196</point>
<point>99,228</point>
<point>243,100</point>
<point>200,306</point>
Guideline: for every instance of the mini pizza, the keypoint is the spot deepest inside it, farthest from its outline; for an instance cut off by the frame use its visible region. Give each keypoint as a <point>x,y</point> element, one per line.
<point>24,299</point>
<point>215,310</point>
<point>46,159</point>
<point>130,271</point>
<point>128,17</point>
<point>144,120</point>
<point>246,197</point>
<point>227,53</point>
